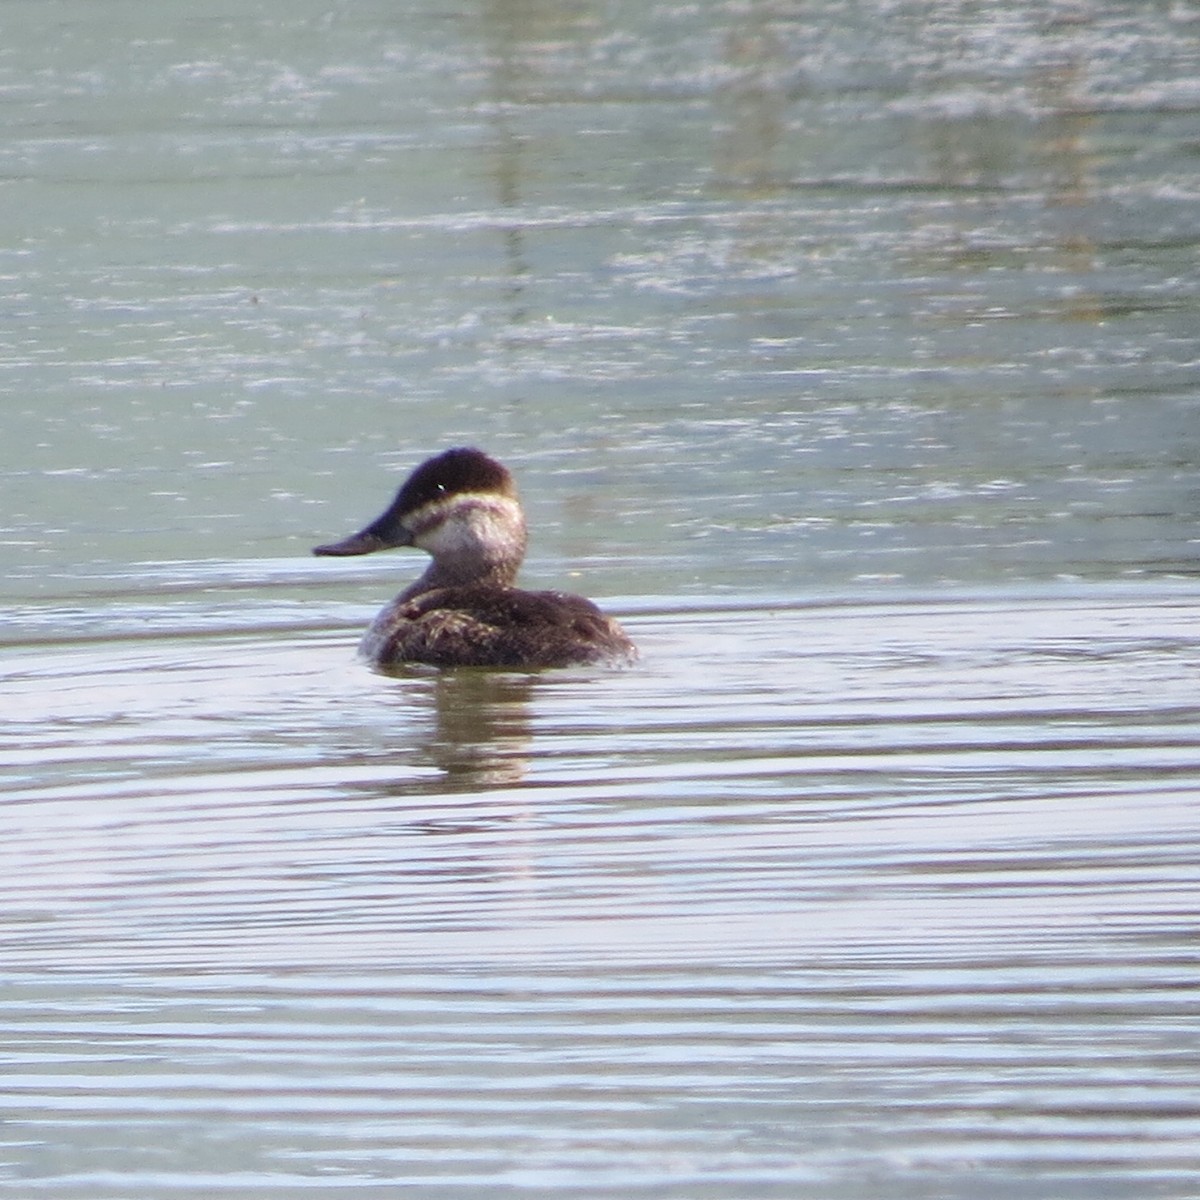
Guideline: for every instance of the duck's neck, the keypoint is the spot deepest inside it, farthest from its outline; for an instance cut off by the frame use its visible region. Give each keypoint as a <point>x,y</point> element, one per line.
<point>473,541</point>
<point>445,572</point>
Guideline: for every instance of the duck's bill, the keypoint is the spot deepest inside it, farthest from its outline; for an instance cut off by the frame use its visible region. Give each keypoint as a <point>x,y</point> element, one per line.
<point>358,543</point>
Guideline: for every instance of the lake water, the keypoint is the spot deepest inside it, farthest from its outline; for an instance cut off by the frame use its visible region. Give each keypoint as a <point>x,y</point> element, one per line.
<point>850,354</point>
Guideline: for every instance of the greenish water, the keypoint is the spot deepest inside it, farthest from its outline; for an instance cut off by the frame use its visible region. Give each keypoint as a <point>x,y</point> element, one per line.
<point>849,354</point>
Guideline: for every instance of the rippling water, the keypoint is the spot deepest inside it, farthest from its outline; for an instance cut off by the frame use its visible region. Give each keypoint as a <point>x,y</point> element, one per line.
<point>849,354</point>
<point>821,898</point>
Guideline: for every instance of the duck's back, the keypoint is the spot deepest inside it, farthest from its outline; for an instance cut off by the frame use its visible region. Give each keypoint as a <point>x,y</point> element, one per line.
<point>496,627</point>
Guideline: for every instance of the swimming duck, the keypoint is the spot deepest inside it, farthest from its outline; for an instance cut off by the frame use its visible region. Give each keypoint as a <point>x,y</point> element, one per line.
<point>462,508</point>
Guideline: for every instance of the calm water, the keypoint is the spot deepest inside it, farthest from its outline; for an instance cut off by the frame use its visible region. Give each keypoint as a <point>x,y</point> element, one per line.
<point>851,354</point>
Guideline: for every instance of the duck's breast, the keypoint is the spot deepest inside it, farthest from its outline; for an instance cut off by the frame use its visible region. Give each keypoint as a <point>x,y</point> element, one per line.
<point>502,627</point>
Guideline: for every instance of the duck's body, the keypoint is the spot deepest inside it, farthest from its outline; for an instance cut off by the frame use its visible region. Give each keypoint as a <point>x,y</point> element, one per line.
<point>465,610</point>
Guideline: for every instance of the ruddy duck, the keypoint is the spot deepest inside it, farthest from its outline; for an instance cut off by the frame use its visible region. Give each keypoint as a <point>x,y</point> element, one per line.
<point>462,508</point>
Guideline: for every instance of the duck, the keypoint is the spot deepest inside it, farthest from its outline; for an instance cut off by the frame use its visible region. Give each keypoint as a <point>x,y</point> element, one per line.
<point>462,508</point>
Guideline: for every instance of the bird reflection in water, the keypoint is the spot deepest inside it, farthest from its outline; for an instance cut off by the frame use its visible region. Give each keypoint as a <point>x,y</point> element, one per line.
<point>481,735</point>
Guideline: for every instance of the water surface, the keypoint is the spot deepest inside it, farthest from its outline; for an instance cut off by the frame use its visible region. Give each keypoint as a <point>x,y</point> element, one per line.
<point>848,354</point>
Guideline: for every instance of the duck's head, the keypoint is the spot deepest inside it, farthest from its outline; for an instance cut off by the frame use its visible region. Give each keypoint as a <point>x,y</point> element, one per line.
<point>460,506</point>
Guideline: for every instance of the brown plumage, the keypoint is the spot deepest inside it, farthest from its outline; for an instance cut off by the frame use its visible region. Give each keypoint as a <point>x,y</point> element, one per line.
<point>462,507</point>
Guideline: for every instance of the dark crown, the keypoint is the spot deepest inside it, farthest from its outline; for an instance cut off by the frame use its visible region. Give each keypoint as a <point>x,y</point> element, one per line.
<point>462,469</point>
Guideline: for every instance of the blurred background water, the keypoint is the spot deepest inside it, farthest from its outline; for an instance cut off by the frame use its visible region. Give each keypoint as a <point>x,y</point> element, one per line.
<point>850,353</point>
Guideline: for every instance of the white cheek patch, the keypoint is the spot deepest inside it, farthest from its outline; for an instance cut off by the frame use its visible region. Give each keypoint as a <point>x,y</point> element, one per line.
<point>465,523</point>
